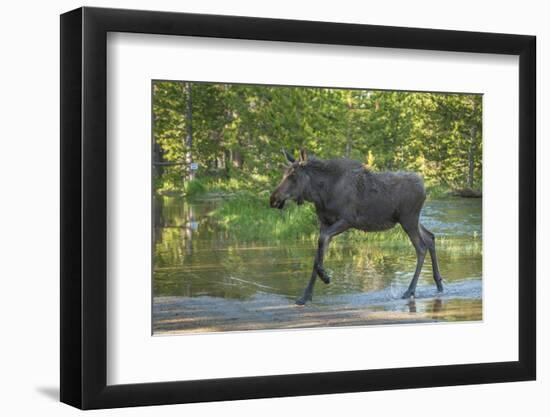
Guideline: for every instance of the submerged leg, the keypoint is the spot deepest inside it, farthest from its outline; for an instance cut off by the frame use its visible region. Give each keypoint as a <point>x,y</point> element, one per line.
<point>429,239</point>
<point>327,233</point>
<point>413,230</point>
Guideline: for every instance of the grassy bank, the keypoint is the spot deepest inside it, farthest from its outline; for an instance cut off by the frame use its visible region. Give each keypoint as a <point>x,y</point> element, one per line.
<point>244,210</point>
<point>249,217</point>
<point>235,182</point>
<point>240,182</point>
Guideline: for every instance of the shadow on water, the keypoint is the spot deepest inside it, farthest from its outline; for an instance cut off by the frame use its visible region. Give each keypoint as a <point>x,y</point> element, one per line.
<point>194,257</point>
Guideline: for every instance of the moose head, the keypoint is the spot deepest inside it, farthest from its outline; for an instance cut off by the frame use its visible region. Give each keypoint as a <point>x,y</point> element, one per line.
<point>294,183</point>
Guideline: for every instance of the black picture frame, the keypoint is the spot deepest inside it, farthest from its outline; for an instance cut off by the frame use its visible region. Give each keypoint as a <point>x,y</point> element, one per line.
<point>84,207</point>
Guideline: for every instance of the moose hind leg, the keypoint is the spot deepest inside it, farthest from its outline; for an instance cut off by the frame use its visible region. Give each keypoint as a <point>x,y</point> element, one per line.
<point>429,239</point>
<point>413,231</point>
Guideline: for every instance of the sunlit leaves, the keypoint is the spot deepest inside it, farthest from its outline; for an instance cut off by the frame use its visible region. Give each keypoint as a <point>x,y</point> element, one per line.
<point>438,135</point>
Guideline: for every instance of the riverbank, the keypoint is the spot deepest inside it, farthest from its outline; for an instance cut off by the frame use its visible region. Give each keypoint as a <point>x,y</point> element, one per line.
<point>242,209</point>
<point>461,301</point>
<point>240,182</point>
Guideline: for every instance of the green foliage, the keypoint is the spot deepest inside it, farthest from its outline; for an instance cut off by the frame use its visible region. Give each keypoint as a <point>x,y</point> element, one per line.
<point>247,216</point>
<point>436,192</point>
<point>237,132</point>
<point>194,187</point>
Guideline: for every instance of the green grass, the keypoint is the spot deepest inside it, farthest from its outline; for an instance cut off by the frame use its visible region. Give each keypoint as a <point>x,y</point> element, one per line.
<point>441,191</point>
<point>245,213</point>
<point>194,187</point>
<point>240,181</point>
<point>202,186</point>
<point>437,192</point>
<point>248,216</point>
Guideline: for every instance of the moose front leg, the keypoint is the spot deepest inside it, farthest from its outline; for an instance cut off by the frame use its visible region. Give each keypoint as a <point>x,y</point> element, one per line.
<point>327,233</point>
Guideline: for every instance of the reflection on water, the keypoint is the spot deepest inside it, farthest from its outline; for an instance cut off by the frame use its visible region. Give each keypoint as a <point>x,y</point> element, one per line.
<point>194,257</point>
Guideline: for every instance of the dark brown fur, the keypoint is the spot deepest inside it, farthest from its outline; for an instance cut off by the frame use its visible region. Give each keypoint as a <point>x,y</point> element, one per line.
<point>346,195</point>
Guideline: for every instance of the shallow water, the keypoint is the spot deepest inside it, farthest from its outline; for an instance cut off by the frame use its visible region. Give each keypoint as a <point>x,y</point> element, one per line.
<point>193,258</point>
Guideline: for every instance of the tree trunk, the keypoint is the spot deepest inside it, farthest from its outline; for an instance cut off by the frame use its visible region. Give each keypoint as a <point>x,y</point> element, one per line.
<point>349,138</point>
<point>348,141</point>
<point>158,160</point>
<point>227,161</point>
<point>471,151</point>
<point>473,132</point>
<point>237,159</point>
<point>189,130</point>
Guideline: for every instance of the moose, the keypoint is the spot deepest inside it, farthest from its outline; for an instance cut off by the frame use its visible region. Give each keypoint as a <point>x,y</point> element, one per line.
<point>349,195</point>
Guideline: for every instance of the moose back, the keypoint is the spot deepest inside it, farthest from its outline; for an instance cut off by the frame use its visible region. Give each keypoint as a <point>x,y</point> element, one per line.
<point>348,195</point>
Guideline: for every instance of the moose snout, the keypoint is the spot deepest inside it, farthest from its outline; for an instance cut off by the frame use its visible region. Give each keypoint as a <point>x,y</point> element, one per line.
<point>276,202</point>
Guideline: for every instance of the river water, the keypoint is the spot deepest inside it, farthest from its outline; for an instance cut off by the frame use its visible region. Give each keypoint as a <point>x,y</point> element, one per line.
<point>197,264</point>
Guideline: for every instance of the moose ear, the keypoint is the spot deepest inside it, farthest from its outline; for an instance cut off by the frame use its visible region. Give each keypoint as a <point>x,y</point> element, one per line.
<point>288,156</point>
<point>303,156</point>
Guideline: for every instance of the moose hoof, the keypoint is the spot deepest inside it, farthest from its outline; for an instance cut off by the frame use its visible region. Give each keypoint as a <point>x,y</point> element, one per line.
<point>408,294</point>
<point>303,300</point>
<point>439,286</point>
<point>325,277</point>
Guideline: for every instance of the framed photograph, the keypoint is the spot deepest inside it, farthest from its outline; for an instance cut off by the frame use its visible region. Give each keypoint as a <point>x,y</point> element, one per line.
<point>256,208</point>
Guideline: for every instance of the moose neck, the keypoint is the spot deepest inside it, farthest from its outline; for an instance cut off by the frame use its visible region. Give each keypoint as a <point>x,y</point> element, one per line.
<point>322,177</point>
